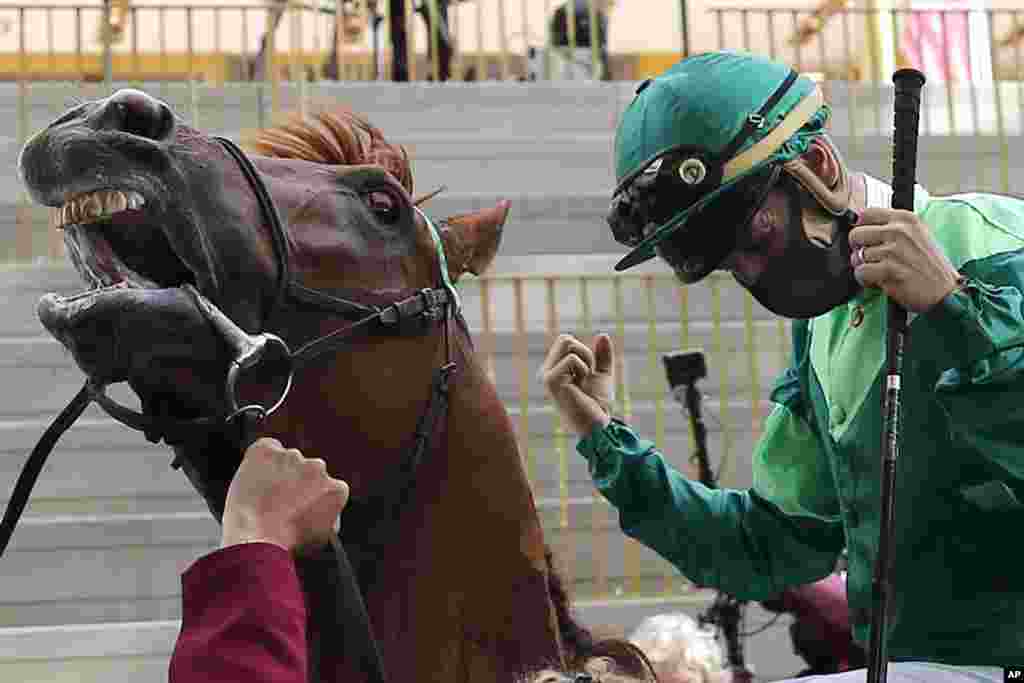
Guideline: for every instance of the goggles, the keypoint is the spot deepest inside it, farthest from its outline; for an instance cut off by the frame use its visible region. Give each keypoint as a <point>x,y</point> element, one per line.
<point>672,183</point>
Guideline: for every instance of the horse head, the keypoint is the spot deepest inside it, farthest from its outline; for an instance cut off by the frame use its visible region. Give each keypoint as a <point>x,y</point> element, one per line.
<point>147,204</point>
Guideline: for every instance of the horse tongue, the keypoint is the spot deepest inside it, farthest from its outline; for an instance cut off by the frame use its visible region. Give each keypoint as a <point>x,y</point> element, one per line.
<point>104,261</point>
<point>107,260</point>
<point>127,218</point>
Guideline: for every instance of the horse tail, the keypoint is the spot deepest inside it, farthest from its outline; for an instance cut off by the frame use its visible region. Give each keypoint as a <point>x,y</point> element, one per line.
<point>577,640</point>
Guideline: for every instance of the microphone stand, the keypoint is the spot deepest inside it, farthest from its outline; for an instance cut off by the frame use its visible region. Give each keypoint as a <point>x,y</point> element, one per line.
<point>726,612</point>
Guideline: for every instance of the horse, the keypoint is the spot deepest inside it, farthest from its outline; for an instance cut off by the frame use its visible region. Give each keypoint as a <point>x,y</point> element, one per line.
<point>174,238</point>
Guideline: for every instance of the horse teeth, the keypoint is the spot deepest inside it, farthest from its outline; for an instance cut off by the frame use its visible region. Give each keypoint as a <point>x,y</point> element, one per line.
<point>95,205</point>
<point>92,207</point>
<point>135,200</point>
<point>116,201</point>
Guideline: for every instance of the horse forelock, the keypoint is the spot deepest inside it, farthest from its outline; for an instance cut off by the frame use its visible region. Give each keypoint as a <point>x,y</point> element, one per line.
<point>337,137</point>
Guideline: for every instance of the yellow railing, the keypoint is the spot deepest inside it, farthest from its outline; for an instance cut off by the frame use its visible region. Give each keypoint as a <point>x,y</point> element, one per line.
<point>862,43</point>
<point>309,39</point>
<point>515,317</point>
<point>217,42</point>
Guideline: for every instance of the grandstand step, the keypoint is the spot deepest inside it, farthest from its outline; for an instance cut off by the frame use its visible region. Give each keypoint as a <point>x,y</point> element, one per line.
<point>45,386</point>
<point>109,469</point>
<point>88,652</point>
<point>513,303</point>
<point>140,650</point>
<point>102,467</point>
<point>127,567</point>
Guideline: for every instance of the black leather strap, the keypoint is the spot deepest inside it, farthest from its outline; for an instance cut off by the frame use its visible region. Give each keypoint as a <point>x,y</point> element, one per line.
<point>270,214</point>
<point>34,465</point>
<point>754,121</point>
<point>427,306</point>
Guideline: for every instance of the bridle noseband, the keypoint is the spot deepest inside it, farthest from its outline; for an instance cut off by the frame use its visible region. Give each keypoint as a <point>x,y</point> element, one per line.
<point>412,315</point>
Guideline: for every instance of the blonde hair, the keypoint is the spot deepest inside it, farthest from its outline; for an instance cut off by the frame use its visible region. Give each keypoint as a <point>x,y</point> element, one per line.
<point>600,670</point>
<point>680,650</point>
<point>612,660</point>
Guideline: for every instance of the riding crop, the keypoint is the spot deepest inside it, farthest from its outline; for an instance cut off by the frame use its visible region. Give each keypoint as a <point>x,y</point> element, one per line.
<point>908,84</point>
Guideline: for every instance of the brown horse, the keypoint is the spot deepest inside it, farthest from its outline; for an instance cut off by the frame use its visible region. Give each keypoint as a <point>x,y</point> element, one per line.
<point>460,587</point>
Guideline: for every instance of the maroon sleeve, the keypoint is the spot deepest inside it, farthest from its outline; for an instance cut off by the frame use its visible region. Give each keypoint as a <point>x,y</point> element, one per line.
<point>243,618</point>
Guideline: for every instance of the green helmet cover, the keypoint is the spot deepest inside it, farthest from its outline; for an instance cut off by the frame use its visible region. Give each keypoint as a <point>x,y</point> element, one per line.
<point>704,103</point>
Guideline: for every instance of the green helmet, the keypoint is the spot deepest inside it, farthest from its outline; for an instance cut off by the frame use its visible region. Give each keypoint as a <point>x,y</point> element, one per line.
<point>704,141</point>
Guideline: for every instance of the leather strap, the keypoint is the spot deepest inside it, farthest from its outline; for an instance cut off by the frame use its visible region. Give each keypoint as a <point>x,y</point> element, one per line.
<point>34,466</point>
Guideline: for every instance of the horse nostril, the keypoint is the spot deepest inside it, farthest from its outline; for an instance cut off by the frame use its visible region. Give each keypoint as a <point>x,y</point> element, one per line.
<point>135,112</point>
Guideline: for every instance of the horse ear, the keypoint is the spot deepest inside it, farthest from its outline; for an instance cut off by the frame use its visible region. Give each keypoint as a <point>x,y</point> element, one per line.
<point>471,240</point>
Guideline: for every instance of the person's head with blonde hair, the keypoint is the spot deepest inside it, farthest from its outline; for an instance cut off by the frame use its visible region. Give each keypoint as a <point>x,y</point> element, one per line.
<point>680,650</point>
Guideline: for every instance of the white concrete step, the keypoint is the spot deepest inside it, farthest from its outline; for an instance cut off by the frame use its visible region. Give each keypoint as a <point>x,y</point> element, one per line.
<point>80,653</point>
<point>126,567</point>
<point>102,467</point>
<point>141,650</point>
<point>44,389</point>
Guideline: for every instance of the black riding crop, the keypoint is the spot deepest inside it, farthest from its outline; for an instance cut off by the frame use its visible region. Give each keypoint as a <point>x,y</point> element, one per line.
<point>908,84</point>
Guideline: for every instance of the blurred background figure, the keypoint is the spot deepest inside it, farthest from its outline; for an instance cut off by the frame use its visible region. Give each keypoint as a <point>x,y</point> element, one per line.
<point>577,63</point>
<point>820,632</point>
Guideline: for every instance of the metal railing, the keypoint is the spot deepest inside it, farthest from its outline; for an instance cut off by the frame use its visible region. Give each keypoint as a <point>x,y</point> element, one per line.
<point>858,44</point>
<point>445,39</point>
<point>283,40</point>
<point>517,316</point>
<point>845,47</point>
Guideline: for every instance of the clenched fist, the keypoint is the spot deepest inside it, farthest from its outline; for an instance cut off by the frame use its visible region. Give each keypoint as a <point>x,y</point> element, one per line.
<point>280,497</point>
<point>581,381</point>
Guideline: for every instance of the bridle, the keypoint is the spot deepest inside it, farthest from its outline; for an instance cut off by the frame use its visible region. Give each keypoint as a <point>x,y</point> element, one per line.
<point>364,520</point>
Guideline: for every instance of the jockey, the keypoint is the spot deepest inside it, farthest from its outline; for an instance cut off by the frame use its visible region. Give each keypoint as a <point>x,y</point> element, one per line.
<point>723,162</point>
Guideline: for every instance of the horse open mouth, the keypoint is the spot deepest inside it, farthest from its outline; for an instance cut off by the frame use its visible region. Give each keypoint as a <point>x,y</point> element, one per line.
<point>134,317</point>
<point>113,244</point>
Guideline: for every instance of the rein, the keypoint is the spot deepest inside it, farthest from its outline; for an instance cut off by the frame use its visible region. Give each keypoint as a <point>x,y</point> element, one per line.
<point>329,569</point>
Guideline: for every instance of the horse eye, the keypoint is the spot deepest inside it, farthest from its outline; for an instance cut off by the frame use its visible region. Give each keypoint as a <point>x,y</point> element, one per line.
<point>383,204</point>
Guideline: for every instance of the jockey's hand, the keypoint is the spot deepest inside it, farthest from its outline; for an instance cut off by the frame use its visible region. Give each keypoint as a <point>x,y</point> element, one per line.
<point>280,497</point>
<point>894,251</point>
<point>581,381</point>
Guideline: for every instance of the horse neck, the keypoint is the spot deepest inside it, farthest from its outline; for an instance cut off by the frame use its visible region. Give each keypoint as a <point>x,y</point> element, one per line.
<point>482,450</point>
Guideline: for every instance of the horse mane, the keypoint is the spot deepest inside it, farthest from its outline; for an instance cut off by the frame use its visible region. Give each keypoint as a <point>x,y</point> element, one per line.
<point>338,137</point>
<point>578,641</point>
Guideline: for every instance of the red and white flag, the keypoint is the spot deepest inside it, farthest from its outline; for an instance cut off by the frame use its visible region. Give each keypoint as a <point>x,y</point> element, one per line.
<point>948,40</point>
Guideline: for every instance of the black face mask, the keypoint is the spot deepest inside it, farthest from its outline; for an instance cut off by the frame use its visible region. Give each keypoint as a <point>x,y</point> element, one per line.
<point>808,279</point>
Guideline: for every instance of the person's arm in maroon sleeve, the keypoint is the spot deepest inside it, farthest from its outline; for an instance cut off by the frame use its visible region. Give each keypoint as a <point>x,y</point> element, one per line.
<point>243,611</point>
<point>243,618</point>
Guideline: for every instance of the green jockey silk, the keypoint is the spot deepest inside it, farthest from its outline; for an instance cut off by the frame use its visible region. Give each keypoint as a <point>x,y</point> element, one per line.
<point>958,590</point>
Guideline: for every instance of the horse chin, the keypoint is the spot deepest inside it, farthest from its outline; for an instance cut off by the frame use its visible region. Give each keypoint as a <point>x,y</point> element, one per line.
<point>155,339</point>
<point>178,392</point>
